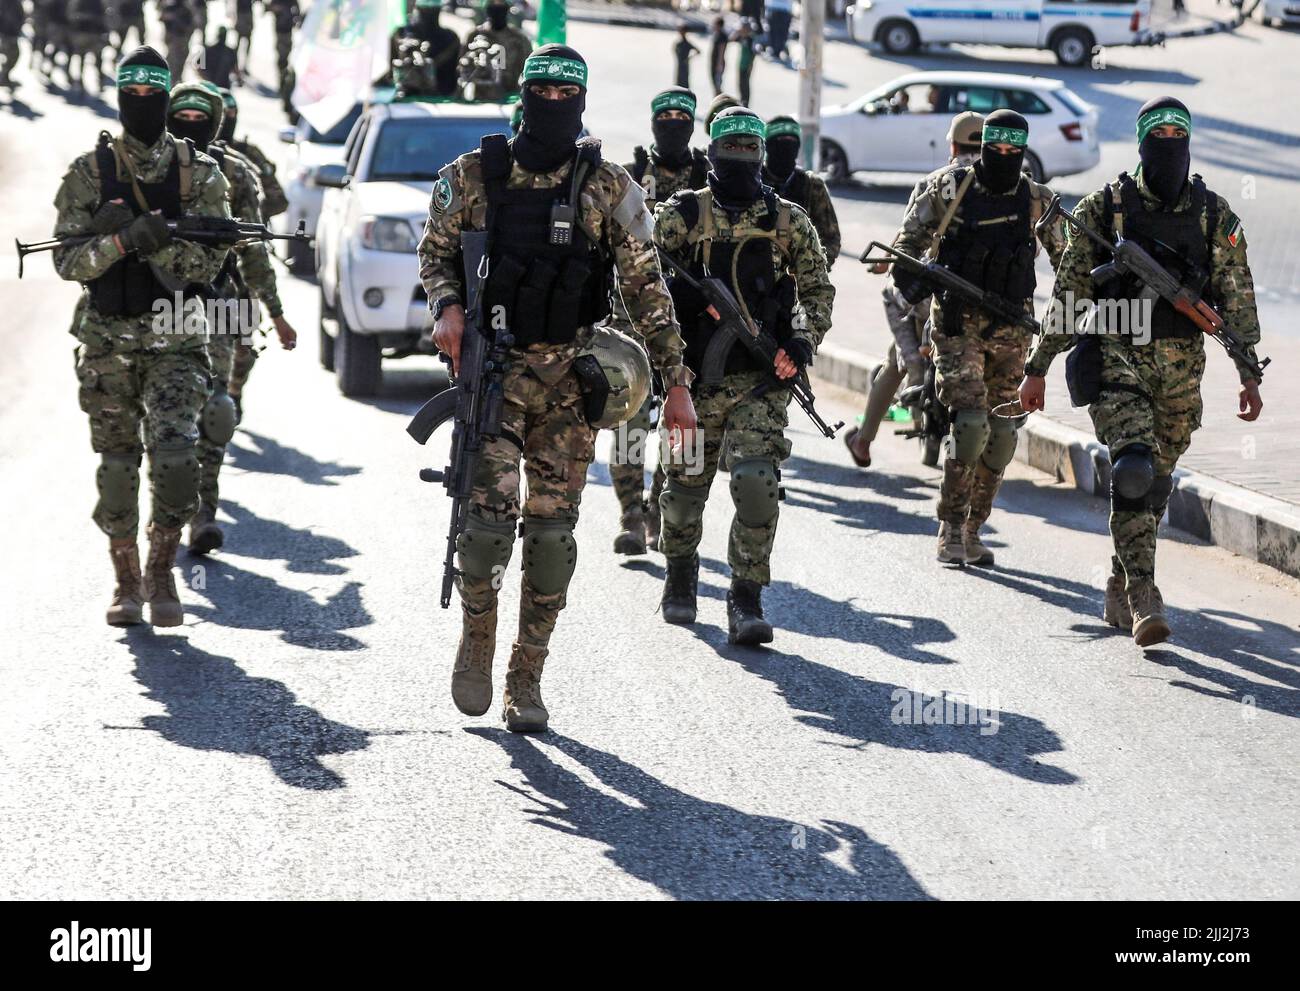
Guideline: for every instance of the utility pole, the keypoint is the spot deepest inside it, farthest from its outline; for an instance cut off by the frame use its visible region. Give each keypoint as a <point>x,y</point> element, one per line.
<point>812,29</point>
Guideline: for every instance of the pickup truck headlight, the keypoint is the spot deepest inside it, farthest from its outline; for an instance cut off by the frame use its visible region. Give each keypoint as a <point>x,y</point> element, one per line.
<point>387,234</point>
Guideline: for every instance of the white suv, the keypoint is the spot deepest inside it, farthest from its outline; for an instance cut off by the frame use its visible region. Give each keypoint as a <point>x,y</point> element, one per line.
<point>372,303</point>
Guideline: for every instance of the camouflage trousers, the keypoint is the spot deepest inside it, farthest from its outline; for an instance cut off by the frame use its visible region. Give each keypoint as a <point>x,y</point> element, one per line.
<point>221,353</point>
<point>8,55</point>
<point>734,425</point>
<point>627,456</point>
<point>1164,419</point>
<point>543,410</point>
<point>974,372</point>
<point>245,359</point>
<point>162,391</point>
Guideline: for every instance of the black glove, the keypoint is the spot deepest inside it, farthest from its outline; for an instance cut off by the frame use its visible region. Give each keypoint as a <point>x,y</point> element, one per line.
<point>799,351</point>
<point>111,218</point>
<point>146,234</point>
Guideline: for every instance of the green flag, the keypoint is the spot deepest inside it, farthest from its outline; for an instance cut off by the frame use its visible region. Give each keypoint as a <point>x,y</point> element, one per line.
<point>552,22</point>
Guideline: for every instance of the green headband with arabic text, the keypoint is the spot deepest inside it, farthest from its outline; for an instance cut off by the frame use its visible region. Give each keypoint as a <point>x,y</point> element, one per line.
<point>1161,116</point>
<point>783,128</point>
<point>737,124</point>
<point>1004,136</point>
<point>553,69</point>
<point>673,101</point>
<point>144,75</point>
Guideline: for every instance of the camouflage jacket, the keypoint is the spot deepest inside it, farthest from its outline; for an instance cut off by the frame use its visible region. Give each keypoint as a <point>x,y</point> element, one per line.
<point>254,258</point>
<point>273,199</point>
<point>1231,287</point>
<point>517,48</point>
<point>805,261</point>
<point>661,182</point>
<point>613,212</point>
<point>820,209</point>
<point>78,199</point>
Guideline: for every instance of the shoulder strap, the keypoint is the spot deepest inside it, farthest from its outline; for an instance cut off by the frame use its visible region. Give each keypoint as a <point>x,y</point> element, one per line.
<point>494,153</point>
<point>185,157</point>
<point>1211,201</point>
<point>640,162</point>
<point>967,179</point>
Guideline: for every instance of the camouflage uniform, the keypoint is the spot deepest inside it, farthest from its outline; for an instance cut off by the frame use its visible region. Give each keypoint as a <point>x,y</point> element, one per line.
<point>808,190</point>
<point>1168,370</point>
<point>131,374</point>
<point>979,360</point>
<point>517,47</point>
<point>734,424</point>
<point>543,401</point>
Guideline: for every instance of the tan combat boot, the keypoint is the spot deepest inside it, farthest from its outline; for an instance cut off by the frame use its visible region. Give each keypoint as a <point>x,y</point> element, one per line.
<point>127,607</point>
<point>524,711</point>
<point>205,533</point>
<point>471,678</point>
<point>1148,607</point>
<point>975,550</point>
<point>159,582</point>
<point>1116,611</point>
<point>951,549</point>
<point>632,538</point>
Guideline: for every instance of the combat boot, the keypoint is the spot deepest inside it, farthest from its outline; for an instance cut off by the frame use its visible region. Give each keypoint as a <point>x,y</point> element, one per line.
<point>653,521</point>
<point>159,582</point>
<point>745,623</point>
<point>471,677</point>
<point>127,607</point>
<point>524,711</point>
<point>632,539</point>
<point>974,549</point>
<point>951,548</point>
<point>1148,608</point>
<point>680,583</point>
<point>1116,611</point>
<point>205,533</point>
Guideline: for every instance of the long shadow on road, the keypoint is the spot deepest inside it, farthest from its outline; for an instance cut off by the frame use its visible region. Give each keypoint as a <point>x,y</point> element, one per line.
<point>301,550</point>
<point>273,458</point>
<point>693,849</point>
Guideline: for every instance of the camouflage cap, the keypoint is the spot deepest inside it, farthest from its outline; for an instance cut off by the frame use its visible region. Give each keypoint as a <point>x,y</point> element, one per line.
<point>967,128</point>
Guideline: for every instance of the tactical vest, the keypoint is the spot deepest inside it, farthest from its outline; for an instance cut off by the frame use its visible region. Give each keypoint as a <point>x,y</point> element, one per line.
<point>797,188</point>
<point>765,289</point>
<point>547,286</point>
<point>1174,239</point>
<point>128,288</point>
<point>698,178</point>
<point>993,243</point>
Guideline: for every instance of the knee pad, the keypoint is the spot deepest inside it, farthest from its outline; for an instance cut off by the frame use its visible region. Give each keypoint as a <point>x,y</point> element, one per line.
<point>1132,473</point>
<point>550,554</point>
<point>1001,446</point>
<point>970,435</point>
<point>483,548</point>
<point>175,475</point>
<point>118,481</point>
<point>755,491</point>
<point>1162,487</point>
<point>681,506</point>
<point>217,421</point>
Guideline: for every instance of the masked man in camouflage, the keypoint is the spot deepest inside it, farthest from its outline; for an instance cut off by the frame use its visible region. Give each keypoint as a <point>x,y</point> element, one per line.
<point>516,45</point>
<point>978,221</point>
<point>802,188</point>
<point>546,293</point>
<point>195,114</point>
<point>1149,390</point>
<point>767,252</point>
<point>140,364</point>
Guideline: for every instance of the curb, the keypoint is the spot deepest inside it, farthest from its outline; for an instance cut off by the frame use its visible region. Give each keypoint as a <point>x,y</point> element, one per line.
<point>1245,522</point>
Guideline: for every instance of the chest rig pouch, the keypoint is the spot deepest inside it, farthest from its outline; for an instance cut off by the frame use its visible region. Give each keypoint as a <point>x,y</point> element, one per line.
<point>546,276</point>
<point>743,259</point>
<point>129,287</point>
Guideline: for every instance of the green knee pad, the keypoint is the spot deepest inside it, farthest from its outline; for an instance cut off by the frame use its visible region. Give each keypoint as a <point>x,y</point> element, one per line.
<point>217,421</point>
<point>755,491</point>
<point>175,475</point>
<point>1001,446</point>
<point>483,548</point>
<point>118,481</point>
<point>681,506</point>
<point>550,554</point>
<point>970,433</point>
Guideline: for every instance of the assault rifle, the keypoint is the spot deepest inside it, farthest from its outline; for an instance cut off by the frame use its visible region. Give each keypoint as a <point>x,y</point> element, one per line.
<point>734,327</point>
<point>941,279</point>
<point>475,403</point>
<point>1130,258</point>
<point>201,230</point>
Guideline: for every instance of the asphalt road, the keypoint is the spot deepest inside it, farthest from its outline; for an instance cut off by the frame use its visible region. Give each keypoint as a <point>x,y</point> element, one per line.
<point>296,739</point>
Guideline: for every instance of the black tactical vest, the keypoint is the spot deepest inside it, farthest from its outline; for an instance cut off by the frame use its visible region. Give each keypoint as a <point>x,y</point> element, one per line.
<point>699,169</point>
<point>993,243</point>
<point>797,188</point>
<point>1174,239</point>
<point>546,289</point>
<point>129,288</point>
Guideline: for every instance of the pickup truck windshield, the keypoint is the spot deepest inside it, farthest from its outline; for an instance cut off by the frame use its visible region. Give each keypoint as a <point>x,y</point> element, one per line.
<point>415,148</point>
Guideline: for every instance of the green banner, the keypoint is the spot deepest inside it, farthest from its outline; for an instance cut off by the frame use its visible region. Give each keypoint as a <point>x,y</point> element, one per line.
<point>1005,136</point>
<point>737,124</point>
<point>1160,116</point>
<point>144,75</point>
<point>552,23</point>
<point>673,101</point>
<point>783,126</point>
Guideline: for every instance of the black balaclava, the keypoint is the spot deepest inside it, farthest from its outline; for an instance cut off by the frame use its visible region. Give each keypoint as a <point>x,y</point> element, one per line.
<point>497,15</point>
<point>550,127</point>
<point>736,178</point>
<point>1001,173</point>
<point>672,144</point>
<point>783,142</point>
<point>143,117</point>
<point>191,96</point>
<point>1165,161</point>
<point>198,131</point>
<point>229,118</point>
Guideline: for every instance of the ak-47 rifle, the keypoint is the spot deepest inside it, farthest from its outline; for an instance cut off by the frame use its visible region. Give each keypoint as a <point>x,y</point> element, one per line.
<point>475,403</point>
<point>1130,258</point>
<point>201,230</point>
<point>941,279</point>
<point>734,327</point>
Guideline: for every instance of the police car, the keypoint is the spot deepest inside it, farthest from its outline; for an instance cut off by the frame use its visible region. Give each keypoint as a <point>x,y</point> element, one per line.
<point>1070,29</point>
<point>372,215</point>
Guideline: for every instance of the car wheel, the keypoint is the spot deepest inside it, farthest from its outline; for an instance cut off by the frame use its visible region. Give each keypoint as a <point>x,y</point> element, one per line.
<point>1072,46</point>
<point>835,163</point>
<point>898,37</point>
<point>356,361</point>
<point>1035,166</point>
<point>326,341</point>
